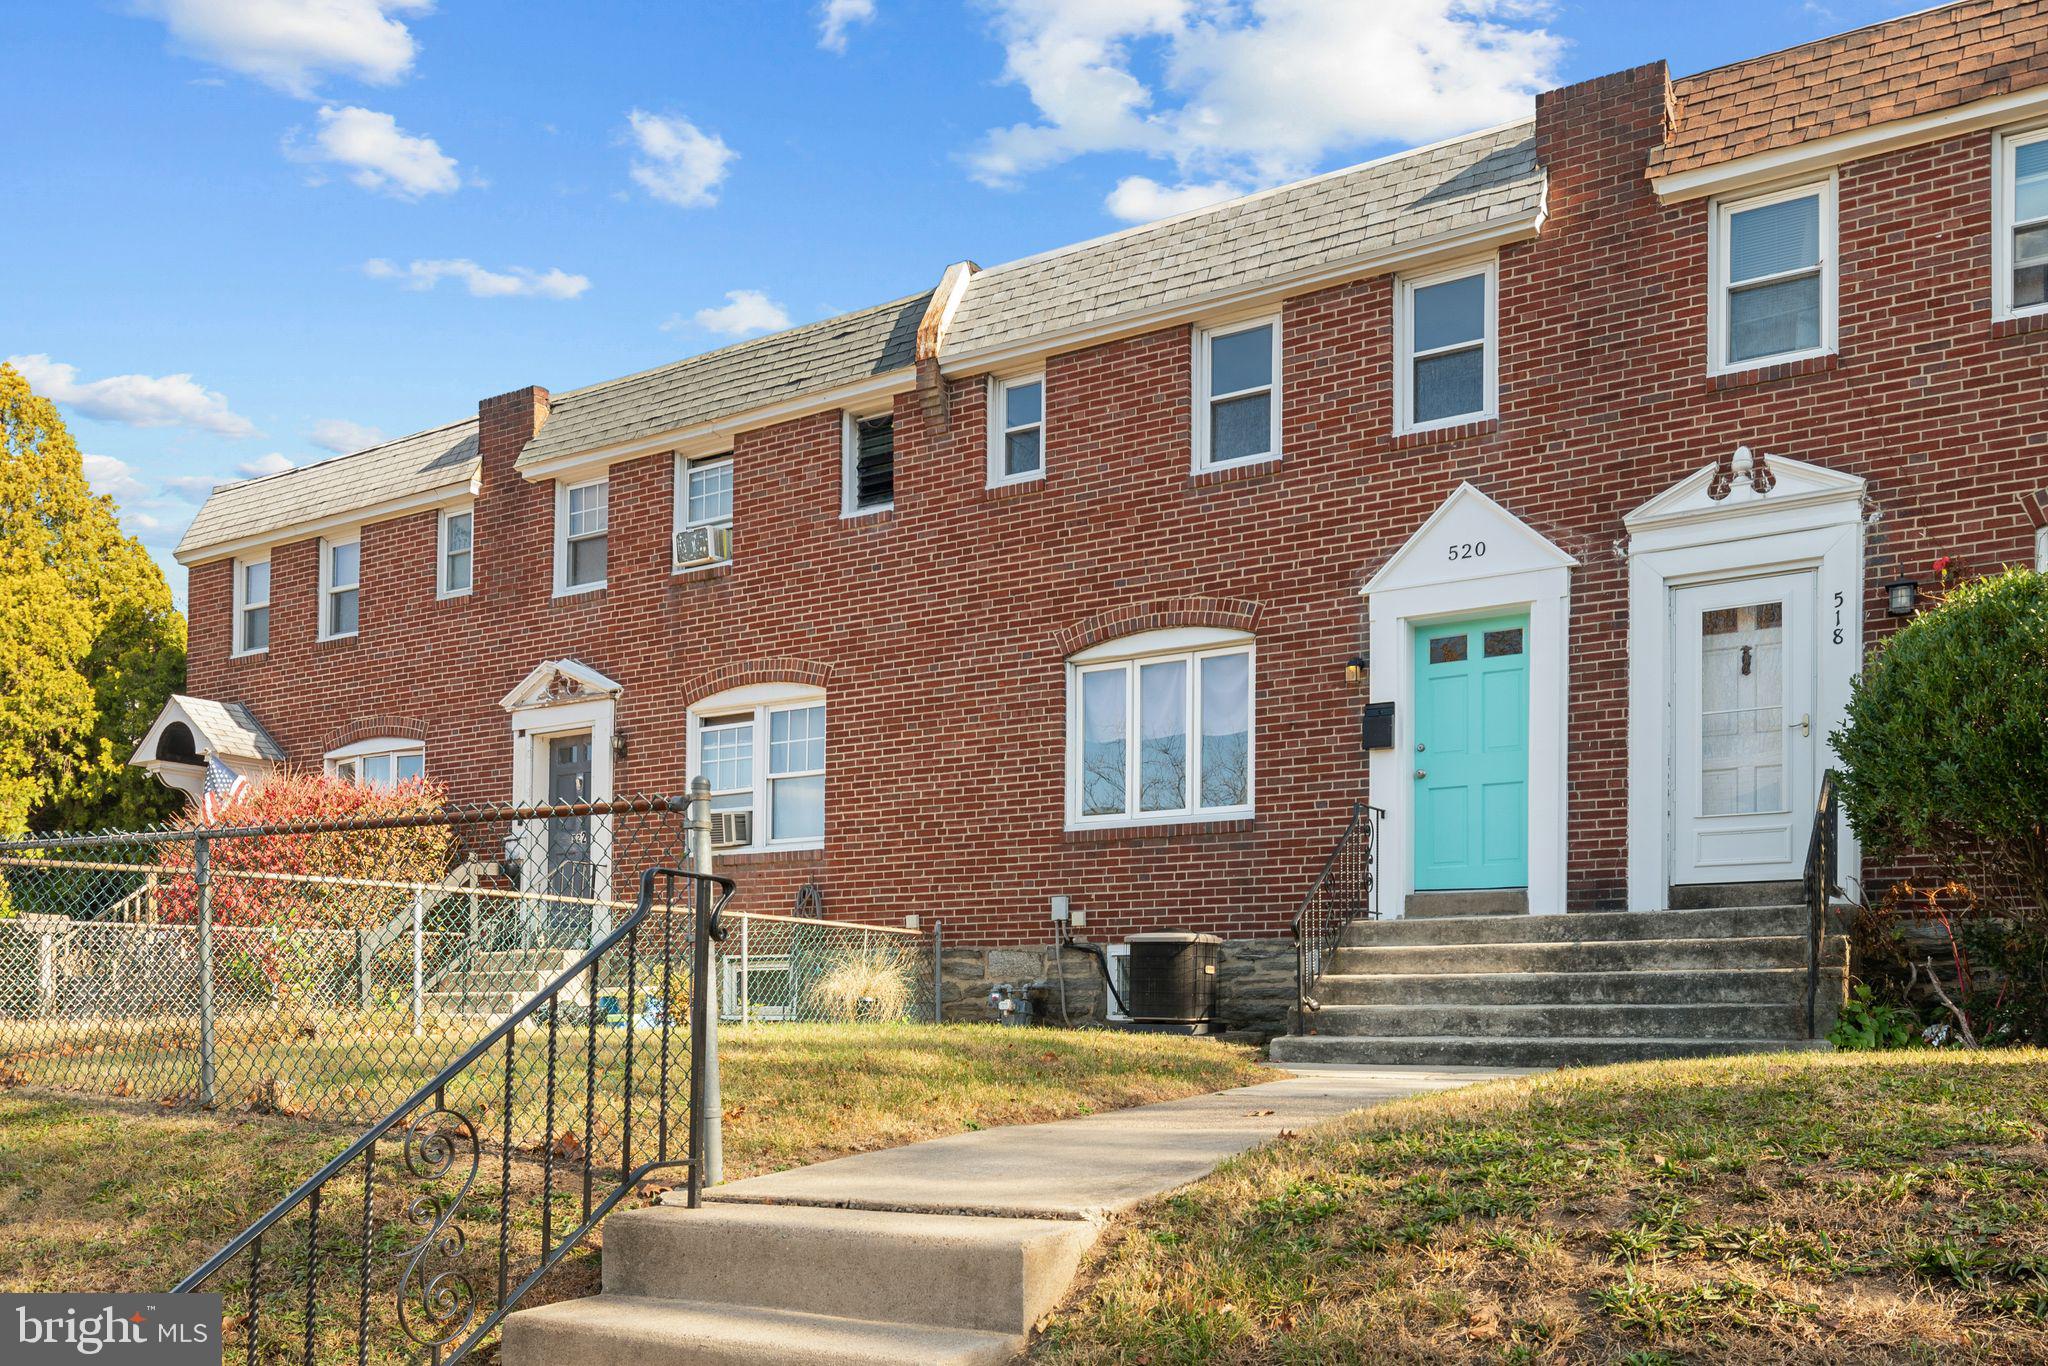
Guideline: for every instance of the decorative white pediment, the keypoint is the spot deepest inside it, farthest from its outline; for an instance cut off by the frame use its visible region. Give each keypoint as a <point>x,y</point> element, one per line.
<point>559,681</point>
<point>1749,483</point>
<point>1469,536</point>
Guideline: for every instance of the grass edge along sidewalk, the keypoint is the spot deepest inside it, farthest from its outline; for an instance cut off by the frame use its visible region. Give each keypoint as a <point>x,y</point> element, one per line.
<point>1786,1207</point>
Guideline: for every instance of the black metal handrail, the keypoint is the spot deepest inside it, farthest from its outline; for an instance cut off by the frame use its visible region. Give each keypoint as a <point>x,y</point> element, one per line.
<point>1821,886</point>
<point>435,1301</point>
<point>1345,889</point>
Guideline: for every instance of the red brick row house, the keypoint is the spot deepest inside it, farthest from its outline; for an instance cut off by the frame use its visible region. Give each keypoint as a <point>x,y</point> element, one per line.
<point>1591,443</point>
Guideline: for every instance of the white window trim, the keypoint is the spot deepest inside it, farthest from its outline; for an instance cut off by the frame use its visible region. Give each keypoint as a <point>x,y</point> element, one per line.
<point>999,430</point>
<point>441,588</point>
<point>1203,398</point>
<point>1192,644</point>
<point>681,521</point>
<point>238,640</point>
<point>735,1002</point>
<point>2041,550</point>
<point>849,452</point>
<point>1404,346</point>
<point>761,699</point>
<point>394,746</point>
<point>328,588</point>
<point>1109,1006</point>
<point>1720,213</point>
<point>563,588</point>
<point>2004,188</point>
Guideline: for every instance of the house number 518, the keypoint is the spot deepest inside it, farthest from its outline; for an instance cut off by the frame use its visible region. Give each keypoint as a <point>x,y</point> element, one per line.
<point>1468,550</point>
<point>1838,618</point>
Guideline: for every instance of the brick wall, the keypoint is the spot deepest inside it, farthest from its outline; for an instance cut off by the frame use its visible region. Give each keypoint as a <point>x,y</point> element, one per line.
<point>940,629</point>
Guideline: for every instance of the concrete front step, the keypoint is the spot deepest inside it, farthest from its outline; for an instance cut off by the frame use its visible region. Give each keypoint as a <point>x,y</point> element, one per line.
<point>1716,1021</point>
<point>621,1330</point>
<point>1554,1052</point>
<point>1717,954</point>
<point>1761,986</point>
<point>1700,897</point>
<point>939,1270</point>
<point>1745,922</point>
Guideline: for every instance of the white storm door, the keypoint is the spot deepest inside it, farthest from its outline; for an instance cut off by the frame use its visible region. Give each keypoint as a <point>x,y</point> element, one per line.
<point>1744,736</point>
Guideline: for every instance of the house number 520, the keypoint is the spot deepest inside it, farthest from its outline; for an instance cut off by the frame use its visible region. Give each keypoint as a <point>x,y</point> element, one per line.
<point>1468,550</point>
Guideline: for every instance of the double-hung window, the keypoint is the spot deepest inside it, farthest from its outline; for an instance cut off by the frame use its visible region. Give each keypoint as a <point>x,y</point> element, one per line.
<point>1160,729</point>
<point>703,511</point>
<point>379,763</point>
<point>1447,364</point>
<point>1016,430</point>
<point>1237,394</point>
<point>457,553</point>
<point>763,750</point>
<point>340,588</point>
<point>2020,244</point>
<point>252,606</point>
<point>868,476</point>
<point>1773,265</point>
<point>582,528</point>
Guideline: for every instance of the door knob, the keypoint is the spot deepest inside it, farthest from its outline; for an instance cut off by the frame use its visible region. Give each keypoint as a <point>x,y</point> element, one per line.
<point>1421,773</point>
<point>1804,725</point>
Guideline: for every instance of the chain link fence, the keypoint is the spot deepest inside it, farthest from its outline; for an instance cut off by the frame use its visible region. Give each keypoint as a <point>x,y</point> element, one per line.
<point>326,968</point>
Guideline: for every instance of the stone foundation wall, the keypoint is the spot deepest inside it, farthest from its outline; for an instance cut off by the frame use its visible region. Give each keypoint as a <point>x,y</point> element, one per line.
<point>1254,983</point>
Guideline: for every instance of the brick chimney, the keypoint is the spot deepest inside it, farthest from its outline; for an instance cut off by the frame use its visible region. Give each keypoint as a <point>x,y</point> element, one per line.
<point>514,518</point>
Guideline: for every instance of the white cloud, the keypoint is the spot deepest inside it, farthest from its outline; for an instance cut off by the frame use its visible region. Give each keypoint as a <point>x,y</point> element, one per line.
<point>512,282</point>
<point>1140,199</point>
<point>678,162</point>
<point>136,400</point>
<point>342,436</point>
<point>191,488</point>
<point>273,463</point>
<point>1260,91</point>
<point>377,154</point>
<point>115,478</point>
<point>291,44</point>
<point>745,312</point>
<point>835,17</point>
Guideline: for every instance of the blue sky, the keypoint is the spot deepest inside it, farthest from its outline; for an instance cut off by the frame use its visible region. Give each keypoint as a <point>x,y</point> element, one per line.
<point>247,233</point>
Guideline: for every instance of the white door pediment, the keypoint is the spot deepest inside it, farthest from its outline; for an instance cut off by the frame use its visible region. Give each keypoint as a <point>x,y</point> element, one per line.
<point>1469,536</point>
<point>1706,495</point>
<point>557,681</point>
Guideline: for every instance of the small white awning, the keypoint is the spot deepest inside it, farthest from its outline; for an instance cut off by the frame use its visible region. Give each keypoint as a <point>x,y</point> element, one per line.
<point>195,736</point>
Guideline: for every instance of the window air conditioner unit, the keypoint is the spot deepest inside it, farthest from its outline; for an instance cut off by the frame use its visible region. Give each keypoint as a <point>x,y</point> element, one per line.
<point>703,545</point>
<point>731,829</point>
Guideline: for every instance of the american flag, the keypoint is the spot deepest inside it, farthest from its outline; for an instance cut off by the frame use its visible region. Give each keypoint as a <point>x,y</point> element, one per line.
<point>223,786</point>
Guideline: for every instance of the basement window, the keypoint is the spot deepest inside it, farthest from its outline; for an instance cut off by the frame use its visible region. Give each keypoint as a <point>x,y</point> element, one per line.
<point>868,476</point>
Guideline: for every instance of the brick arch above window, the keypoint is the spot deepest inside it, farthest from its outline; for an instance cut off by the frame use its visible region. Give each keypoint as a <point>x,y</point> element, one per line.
<point>1227,614</point>
<point>748,672</point>
<point>375,728</point>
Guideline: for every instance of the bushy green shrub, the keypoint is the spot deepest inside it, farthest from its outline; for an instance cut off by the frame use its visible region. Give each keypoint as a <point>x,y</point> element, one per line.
<point>1868,1022</point>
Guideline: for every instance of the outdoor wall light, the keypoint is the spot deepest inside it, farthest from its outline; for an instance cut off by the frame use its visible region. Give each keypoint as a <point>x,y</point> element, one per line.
<point>618,744</point>
<point>1354,670</point>
<point>1902,597</point>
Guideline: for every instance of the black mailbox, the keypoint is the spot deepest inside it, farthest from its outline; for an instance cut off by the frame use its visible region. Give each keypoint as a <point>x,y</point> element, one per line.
<point>1377,728</point>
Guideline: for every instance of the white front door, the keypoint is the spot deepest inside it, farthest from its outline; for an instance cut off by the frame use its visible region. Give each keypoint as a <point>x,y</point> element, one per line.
<point>1744,737</point>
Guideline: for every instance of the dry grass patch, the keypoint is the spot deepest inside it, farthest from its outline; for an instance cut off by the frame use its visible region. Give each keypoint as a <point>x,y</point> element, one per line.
<point>1801,1207</point>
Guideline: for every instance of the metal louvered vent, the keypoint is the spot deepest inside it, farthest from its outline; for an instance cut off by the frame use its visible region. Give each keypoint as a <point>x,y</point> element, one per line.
<point>874,462</point>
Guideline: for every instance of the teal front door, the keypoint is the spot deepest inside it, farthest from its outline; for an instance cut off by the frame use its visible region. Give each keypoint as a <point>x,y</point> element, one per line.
<point>1472,754</point>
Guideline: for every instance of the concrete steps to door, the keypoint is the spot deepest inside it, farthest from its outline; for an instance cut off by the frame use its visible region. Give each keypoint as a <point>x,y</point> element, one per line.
<point>499,981</point>
<point>1727,975</point>
<point>754,1282</point>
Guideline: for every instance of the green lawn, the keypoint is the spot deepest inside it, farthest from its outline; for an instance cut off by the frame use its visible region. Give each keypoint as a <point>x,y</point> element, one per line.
<point>1806,1207</point>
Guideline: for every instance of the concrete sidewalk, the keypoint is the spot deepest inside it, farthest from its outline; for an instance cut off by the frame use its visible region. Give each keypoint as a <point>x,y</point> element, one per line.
<point>1097,1166</point>
<point>943,1253</point>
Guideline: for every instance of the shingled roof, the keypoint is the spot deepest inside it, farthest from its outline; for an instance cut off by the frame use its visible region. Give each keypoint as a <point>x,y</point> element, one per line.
<point>441,458</point>
<point>1915,64</point>
<point>735,379</point>
<point>1460,186</point>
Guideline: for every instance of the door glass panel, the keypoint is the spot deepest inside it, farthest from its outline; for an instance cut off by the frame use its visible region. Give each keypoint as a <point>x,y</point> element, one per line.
<point>1446,649</point>
<point>1742,714</point>
<point>1500,644</point>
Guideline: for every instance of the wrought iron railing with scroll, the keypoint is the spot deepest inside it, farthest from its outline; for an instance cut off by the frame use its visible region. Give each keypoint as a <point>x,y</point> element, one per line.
<point>1821,885</point>
<point>1346,889</point>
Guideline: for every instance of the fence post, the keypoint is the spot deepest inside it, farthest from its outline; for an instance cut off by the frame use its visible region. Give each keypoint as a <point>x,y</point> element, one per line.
<point>202,883</point>
<point>363,972</point>
<point>746,969</point>
<point>938,972</point>
<point>707,986</point>
<point>419,965</point>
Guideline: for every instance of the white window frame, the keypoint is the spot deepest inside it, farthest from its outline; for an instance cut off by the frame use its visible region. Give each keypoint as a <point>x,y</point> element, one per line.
<point>1192,644</point>
<point>999,429</point>
<point>329,588</point>
<point>2004,192</point>
<point>441,551</point>
<point>348,760</point>
<point>563,588</point>
<point>240,643</point>
<point>1203,398</point>
<point>1114,952</point>
<point>1721,214</point>
<point>737,1003</point>
<point>682,521</point>
<point>1405,355</point>
<point>2041,550</point>
<point>761,701</point>
<point>849,457</point>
